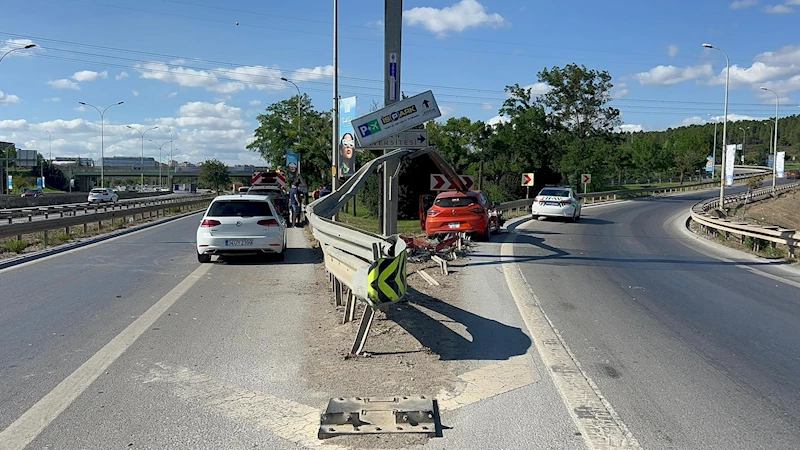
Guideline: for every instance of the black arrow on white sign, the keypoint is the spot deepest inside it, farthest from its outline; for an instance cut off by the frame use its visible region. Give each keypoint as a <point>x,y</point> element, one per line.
<point>425,102</point>
<point>421,139</point>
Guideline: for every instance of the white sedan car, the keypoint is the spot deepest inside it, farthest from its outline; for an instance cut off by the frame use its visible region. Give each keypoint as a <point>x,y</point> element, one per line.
<point>241,224</point>
<point>556,202</point>
<point>98,195</point>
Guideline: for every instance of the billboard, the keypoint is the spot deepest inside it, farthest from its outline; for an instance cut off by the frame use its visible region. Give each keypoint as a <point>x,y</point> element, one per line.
<point>347,141</point>
<point>27,158</point>
<point>779,169</point>
<point>730,159</point>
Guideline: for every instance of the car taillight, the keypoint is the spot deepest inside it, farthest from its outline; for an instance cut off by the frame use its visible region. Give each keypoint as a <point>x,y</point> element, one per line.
<point>566,202</point>
<point>210,223</point>
<point>268,223</point>
<point>477,210</point>
<point>433,212</point>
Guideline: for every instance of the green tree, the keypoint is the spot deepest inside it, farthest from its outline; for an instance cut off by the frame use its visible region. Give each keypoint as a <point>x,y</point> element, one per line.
<point>214,175</point>
<point>688,150</point>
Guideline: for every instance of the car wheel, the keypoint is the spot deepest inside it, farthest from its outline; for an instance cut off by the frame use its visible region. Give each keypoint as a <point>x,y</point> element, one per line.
<point>203,258</point>
<point>486,235</point>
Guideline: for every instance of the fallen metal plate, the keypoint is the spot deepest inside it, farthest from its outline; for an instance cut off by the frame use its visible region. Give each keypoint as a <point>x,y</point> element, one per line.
<point>372,415</point>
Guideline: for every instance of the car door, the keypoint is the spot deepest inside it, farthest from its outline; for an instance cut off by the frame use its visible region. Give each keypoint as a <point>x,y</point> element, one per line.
<point>425,203</point>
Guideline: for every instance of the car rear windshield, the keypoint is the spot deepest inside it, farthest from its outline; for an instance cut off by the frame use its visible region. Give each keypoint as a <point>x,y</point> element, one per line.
<point>554,193</point>
<point>240,208</point>
<point>455,202</point>
<point>98,191</point>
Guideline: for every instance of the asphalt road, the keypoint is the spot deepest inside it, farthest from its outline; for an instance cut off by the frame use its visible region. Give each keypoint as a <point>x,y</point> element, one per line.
<point>692,351</point>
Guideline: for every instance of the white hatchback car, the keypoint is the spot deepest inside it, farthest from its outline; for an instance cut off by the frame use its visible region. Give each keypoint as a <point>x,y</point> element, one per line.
<point>556,202</point>
<point>241,224</point>
<point>98,195</point>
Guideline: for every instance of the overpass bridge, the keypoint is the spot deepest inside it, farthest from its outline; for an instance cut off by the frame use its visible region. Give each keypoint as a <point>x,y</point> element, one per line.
<point>87,177</point>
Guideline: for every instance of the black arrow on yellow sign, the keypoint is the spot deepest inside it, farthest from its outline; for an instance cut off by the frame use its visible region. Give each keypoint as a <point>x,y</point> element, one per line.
<point>387,279</point>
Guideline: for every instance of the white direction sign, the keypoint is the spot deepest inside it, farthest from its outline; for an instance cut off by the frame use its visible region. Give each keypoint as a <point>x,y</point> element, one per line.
<point>395,118</point>
<point>412,139</point>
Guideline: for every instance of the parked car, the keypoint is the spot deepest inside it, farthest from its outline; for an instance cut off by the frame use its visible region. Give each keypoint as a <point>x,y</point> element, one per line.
<point>455,212</point>
<point>102,195</point>
<point>38,192</point>
<point>556,202</point>
<point>241,224</point>
<point>793,174</point>
<point>279,197</point>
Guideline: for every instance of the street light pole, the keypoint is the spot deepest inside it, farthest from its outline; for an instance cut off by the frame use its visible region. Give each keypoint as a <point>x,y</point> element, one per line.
<point>141,159</point>
<point>714,150</point>
<point>50,151</point>
<point>16,49</point>
<point>170,157</point>
<point>724,124</point>
<point>744,140</point>
<point>159,158</point>
<point>775,143</point>
<point>299,96</point>
<point>102,138</point>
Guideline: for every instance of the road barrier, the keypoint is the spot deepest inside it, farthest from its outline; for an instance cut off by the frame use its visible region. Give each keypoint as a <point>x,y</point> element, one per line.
<point>98,214</point>
<point>701,214</point>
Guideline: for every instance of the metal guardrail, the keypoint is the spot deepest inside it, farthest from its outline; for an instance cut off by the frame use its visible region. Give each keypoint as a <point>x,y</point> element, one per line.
<point>44,225</point>
<point>700,213</point>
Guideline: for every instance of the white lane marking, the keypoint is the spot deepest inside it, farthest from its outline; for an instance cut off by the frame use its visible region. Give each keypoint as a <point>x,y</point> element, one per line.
<point>30,424</point>
<point>600,425</point>
<point>489,381</point>
<point>66,252</point>
<point>679,221</point>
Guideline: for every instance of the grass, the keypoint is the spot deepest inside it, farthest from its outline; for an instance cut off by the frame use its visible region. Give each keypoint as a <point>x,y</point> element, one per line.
<point>15,246</point>
<point>627,187</point>
<point>363,221</point>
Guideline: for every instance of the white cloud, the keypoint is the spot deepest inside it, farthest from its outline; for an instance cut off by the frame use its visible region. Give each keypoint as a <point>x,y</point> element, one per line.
<point>737,118</point>
<point>788,55</point>
<point>53,99</point>
<point>496,120</point>
<point>255,102</point>
<point>203,109</point>
<point>172,94</point>
<point>89,75</point>
<point>538,88</point>
<point>7,99</point>
<point>80,108</point>
<point>135,93</point>
<point>672,50</point>
<point>630,128</point>
<point>458,17</point>
<point>694,120</point>
<point>317,73</point>
<point>447,112</point>
<point>743,4</point>
<point>121,76</point>
<point>486,106</point>
<point>620,91</point>
<point>670,75</point>
<point>755,74</point>
<point>783,87</point>
<point>63,84</point>
<point>778,9</point>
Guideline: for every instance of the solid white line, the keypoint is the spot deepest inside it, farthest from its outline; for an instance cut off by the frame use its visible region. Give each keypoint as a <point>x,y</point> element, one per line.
<point>30,424</point>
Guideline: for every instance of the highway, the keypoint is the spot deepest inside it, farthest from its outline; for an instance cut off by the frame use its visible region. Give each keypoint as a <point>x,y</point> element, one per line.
<point>690,350</point>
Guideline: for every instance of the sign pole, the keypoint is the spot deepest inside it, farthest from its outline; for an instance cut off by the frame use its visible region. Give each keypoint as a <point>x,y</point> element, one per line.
<point>527,192</point>
<point>584,188</point>
<point>393,30</point>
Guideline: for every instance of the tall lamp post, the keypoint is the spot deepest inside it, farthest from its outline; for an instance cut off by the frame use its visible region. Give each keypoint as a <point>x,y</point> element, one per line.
<point>16,49</point>
<point>169,180</point>
<point>714,150</point>
<point>775,143</point>
<point>159,158</point>
<point>724,123</point>
<point>102,137</point>
<point>744,140</point>
<point>141,159</point>
<point>50,152</point>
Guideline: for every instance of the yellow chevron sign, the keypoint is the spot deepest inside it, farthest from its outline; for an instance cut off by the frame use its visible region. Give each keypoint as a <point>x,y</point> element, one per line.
<point>387,279</point>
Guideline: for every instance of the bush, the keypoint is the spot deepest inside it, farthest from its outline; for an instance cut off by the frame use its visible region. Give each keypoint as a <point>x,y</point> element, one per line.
<point>61,237</point>
<point>119,224</point>
<point>15,246</point>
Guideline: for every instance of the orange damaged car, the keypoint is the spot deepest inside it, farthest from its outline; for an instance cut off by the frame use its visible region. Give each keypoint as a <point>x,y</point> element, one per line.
<point>456,212</point>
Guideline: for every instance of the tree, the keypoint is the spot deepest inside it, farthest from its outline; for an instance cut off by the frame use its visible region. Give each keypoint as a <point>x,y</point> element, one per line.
<point>214,175</point>
<point>689,151</point>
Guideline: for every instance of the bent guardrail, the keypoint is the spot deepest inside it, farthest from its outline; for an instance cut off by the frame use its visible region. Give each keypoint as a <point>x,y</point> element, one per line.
<point>700,213</point>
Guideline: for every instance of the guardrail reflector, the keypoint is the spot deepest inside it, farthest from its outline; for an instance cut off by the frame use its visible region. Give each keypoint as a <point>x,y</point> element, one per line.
<point>387,279</point>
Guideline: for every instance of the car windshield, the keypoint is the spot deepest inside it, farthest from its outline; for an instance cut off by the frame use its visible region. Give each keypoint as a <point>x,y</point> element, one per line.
<point>554,193</point>
<point>98,191</point>
<point>455,202</point>
<point>240,208</point>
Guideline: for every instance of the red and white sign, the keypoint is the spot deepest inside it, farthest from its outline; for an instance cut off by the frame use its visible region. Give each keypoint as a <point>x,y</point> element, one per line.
<point>270,178</point>
<point>586,178</point>
<point>527,179</point>
<point>440,182</point>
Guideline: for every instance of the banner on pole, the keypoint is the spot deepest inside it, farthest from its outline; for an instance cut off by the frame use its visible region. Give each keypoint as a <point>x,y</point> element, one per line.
<point>779,169</point>
<point>709,164</point>
<point>347,140</point>
<point>730,159</point>
<point>292,165</point>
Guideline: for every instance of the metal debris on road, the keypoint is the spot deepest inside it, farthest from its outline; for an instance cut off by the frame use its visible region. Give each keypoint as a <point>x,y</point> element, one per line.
<point>376,415</point>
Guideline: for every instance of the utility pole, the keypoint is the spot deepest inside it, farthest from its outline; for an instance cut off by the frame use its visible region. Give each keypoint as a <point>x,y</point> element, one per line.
<point>335,118</point>
<point>393,36</point>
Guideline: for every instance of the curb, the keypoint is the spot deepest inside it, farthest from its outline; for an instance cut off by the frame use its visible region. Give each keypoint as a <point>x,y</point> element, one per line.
<point>11,262</point>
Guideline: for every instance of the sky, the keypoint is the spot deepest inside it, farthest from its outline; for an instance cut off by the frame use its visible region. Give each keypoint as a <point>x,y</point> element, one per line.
<point>204,69</point>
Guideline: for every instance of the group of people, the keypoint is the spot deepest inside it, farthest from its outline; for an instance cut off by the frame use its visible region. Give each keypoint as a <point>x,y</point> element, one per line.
<point>296,200</point>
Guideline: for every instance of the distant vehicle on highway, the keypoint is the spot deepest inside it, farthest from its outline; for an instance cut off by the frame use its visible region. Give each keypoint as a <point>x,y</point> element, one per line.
<point>241,224</point>
<point>793,174</point>
<point>455,212</point>
<point>38,192</point>
<point>102,195</point>
<point>556,202</point>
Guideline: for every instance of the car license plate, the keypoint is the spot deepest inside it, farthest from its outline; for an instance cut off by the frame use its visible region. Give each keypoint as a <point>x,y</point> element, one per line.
<point>238,242</point>
<point>454,225</point>
<point>553,204</point>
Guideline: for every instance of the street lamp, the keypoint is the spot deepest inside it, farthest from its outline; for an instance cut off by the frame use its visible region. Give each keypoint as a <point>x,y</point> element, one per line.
<point>299,96</point>
<point>50,150</point>
<point>102,137</point>
<point>141,160</point>
<point>170,157</point>
<point>714,150</point>
<point>15,49</point>
<point>775,144</point>
<point>159,158</point>
<point>724,123</point>
<point>744,140</point>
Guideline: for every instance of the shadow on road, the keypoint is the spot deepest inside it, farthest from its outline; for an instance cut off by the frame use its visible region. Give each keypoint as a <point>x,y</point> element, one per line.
<point>490,340</point>
<point>292,256</point>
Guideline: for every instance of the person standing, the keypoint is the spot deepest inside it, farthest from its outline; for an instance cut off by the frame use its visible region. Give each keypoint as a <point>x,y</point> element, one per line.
<point>294,203</point>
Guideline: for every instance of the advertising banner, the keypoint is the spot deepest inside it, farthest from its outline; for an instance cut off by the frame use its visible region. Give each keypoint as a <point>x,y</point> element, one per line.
<point>730,159</point>
<point>779,169</point>
<point>770,160</point>
<point>292,165</point>
<point>709,164</point>
<point>347,140</point>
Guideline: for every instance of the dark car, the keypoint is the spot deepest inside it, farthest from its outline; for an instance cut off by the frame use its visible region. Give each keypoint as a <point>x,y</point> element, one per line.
<point>33,193</point>
<point>793,174</point>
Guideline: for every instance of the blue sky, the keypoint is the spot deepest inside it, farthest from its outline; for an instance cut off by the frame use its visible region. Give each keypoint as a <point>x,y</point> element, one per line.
<point>185,65</point>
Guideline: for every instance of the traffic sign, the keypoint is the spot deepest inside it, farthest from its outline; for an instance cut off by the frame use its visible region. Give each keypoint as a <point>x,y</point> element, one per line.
<point>412,139</point>
<point>527,179</point>
<point>440,182</point>
<point>395,118</point>
<point>586,178</point>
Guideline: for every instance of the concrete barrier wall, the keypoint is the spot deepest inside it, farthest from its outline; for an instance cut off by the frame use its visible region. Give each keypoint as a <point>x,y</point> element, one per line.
<point>15,201</point>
